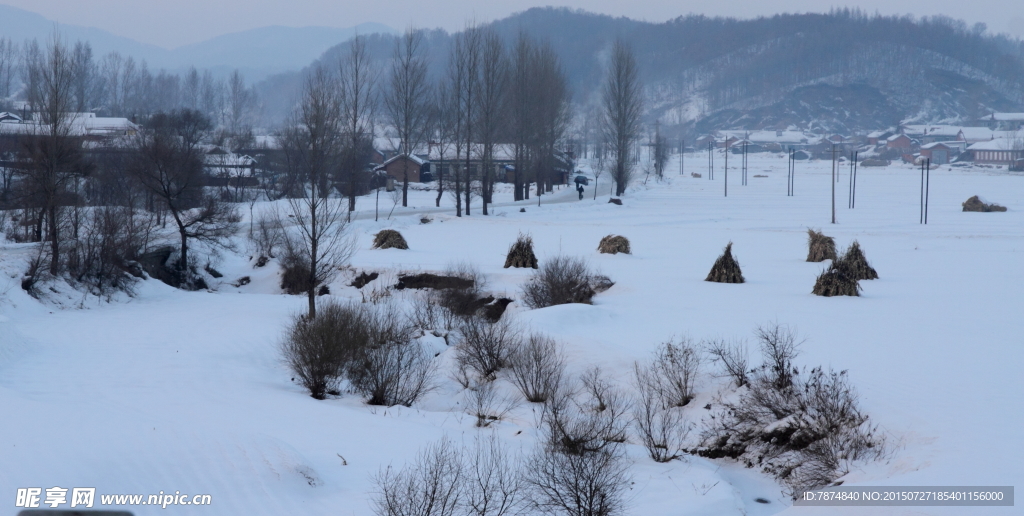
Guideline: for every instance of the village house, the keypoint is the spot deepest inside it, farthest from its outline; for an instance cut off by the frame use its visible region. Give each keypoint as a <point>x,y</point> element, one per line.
<point>939,153</point>
<point>402,166</point>
<point>1000,151</point>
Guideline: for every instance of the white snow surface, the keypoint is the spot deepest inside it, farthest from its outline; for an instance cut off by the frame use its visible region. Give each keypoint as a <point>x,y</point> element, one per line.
<point>185,391</point>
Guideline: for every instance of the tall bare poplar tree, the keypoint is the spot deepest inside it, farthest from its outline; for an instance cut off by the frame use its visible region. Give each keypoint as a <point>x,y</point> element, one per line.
<point>312,146</point>
<point>490,99</point>
<point>407,100</point>
<point>622,99</point>
<point>53,152</point>
<point>357,81</point>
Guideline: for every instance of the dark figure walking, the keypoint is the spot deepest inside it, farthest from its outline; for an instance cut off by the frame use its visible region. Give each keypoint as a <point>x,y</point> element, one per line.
<point>579,188</point>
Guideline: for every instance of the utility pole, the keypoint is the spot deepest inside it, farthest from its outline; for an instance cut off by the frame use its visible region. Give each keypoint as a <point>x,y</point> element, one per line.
<point>853,202</point>
<point>834,179</point>
<point>927,186</point>
<point>726,166</point>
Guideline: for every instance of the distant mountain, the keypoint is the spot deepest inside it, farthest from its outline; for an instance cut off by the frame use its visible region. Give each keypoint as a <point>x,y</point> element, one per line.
<point>257,52</point>
<point>841,71</point>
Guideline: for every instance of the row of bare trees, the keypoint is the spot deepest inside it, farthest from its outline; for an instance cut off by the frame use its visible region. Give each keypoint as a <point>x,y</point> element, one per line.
<point>117,85</point>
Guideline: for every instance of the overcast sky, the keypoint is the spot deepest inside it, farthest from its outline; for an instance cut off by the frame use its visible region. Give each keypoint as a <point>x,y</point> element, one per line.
<point>172,23</point>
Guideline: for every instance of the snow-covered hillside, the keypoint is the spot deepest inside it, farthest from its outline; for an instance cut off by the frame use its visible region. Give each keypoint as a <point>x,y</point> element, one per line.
<point>185,391</point>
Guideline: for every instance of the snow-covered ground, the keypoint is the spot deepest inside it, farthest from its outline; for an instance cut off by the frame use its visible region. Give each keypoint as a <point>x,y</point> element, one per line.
<point>185,391</point>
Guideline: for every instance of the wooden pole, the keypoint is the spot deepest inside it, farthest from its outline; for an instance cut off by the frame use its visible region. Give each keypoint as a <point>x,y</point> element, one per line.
<point>726,166</point>
<point>927,187</point>
<point>834,179</point>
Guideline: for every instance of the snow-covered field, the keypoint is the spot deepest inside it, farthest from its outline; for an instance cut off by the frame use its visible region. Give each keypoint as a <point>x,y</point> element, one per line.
<point>185,391</point>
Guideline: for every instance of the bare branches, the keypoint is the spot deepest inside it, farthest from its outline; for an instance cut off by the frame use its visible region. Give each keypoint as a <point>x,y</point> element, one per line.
<point>537,368</point>
<point>406,103</point>
<point>622,98</point>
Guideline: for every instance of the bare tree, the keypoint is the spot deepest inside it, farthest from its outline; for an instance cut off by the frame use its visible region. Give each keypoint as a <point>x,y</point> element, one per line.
<point>9,54</point>
<point>659,424</point>
<point>494,482</point>
<point>550,114</point>
<point>519,110</point>
<point>537,368</point>
<point>467,56</point>
<point>586,484</point>
<point>430,486</point>
<point>241,104</point>
<point>53,152</point>
<point>490,108</point>
<point>168,162</point>
<point>312,144</point>
<point>357,85</point>
<point>407,100</point>
<point>622,99</point>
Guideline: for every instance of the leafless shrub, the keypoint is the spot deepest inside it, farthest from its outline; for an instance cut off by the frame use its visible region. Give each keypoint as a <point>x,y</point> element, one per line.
<point>484,347</point>
<point>494,480</point>
<point>561,280</point>
<point>807,434</point>
<point>585,420</point>
<point>487,405</point>
<point>392,370</point>
<point>660,426</point>
<point>585,484</point>
<point>317,351</point>
<point>733,358</point>
<point>805,428</point>
<point>778,349</point>
<point>674,368</point>
<point>267,234</point>
<point>537,367</point>
<point>433,485</point>
<point>110,239</point>
<point>295,269</point>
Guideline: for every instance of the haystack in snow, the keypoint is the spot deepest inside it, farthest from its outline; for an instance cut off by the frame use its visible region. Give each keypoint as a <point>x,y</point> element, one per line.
<point>976,204</point>
<point>520,254</point>
<point>613,244</point>
<point>820,247</point>
<point>726,268</point>
<point>836,281</point>
<point>854,263</point>
<point>389,239</point>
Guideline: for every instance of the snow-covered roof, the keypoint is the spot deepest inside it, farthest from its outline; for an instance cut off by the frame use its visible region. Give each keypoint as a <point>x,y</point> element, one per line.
<point>502,152</point>
<point>999,144</point>
<point>414,158</point>
<point>896,137</point>
<point>1008,117</point>
<point>82,124</point>
<point>877,134</point>
<point>934,145</point>
<point>780,137</point>
<point>8,116</point>
<point>931,130</point>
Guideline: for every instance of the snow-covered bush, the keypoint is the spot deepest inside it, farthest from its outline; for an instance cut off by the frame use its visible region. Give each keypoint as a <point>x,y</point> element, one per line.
<point>537,367</point>
<point>561,280</point>
<point>484,347</point>
<point>317,351</point>
<point>804,427</point>
<point>391,369</point>
<point>660,426</point>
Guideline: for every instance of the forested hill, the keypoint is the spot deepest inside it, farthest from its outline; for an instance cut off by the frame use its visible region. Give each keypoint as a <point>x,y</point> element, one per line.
<point>831,72</point>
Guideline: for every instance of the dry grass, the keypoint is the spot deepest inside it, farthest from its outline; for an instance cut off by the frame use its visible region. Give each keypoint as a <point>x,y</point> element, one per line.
<point>726,268</point>
<point>520,254</point>
<point>820,247</point>
<point>836,281</point>
<point>976,204</point>
<point>855,264</point>
<point>389,239</point>
<point>614,244</point>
